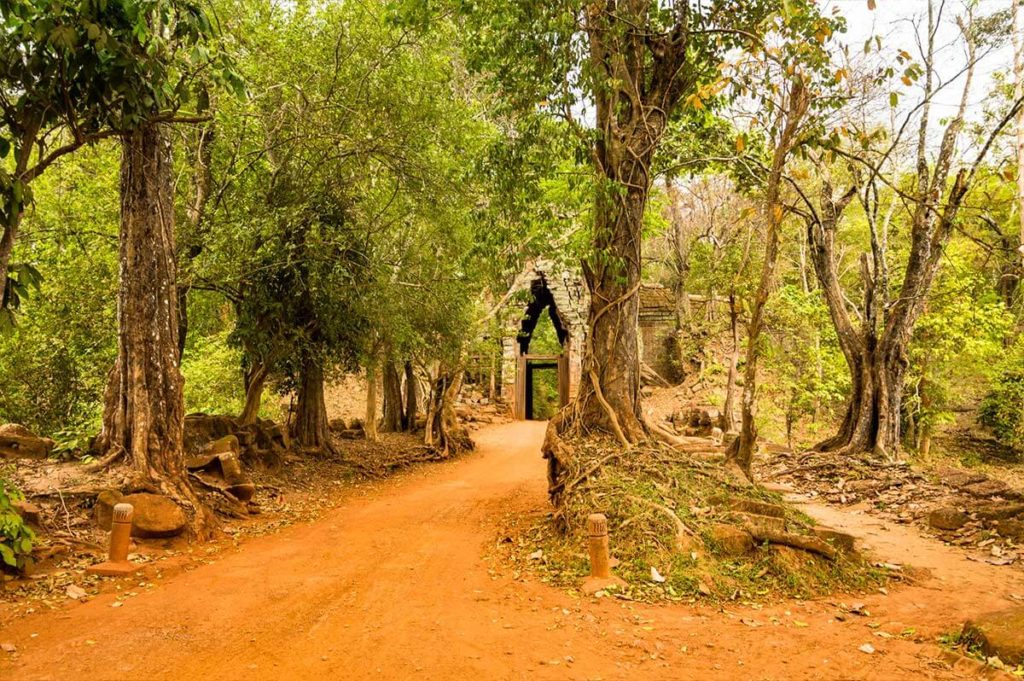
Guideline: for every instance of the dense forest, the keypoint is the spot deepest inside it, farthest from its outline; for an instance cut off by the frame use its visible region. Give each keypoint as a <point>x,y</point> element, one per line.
<point>218,215</point>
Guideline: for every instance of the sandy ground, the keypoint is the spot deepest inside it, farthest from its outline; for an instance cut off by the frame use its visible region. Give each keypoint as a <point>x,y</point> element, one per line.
<point>397,584</point>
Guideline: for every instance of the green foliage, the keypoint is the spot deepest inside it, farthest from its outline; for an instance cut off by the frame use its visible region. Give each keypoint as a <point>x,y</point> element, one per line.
<point>15,536</point>
<point>1002,409</point>
<point>213,376</point>
<point>348,232</point>
<point>72,73</point>
<point>54,363</point>
<point>810,377</point>
<point>958,342</point>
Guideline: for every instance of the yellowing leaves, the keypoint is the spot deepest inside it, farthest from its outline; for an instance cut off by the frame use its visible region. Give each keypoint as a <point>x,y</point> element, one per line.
<point>871,5</point>
<point>740,144</point>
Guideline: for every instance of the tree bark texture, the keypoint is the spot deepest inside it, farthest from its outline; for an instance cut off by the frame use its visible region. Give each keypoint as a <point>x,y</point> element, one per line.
<point>729,409</point>
<point>144,409</point>
<point>394,410</point>
<point>1017,33</point>
<point>370,419</point>
<point>309,429</point>
<point>255,382</point>
<point>643,74</point>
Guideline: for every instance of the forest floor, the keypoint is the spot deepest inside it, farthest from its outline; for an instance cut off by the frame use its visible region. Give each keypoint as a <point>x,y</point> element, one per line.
<point>403,581</point>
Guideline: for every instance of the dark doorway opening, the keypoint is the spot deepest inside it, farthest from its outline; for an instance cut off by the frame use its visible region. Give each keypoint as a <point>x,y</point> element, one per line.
<point>542,395</point>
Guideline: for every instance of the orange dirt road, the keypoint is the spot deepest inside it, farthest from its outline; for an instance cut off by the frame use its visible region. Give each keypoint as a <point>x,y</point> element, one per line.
<point>396,585</point>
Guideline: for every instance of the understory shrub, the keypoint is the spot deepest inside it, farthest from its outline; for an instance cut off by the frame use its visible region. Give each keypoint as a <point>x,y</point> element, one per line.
<point>1002,410</point>
<point>15,536</point>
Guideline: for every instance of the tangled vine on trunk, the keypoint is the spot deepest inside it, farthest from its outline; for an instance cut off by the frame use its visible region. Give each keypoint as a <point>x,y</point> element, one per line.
<point>144,411</point>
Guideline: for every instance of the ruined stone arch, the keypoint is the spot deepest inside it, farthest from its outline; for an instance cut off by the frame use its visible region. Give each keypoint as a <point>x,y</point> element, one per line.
<point>543,287</point>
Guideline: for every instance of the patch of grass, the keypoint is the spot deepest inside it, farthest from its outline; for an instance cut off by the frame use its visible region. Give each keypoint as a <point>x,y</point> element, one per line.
<point>647,495</point>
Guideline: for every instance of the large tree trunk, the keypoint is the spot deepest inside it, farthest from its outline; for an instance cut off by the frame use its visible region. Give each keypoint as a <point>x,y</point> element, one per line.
<point>443,431</point>
<point>394,413</point>
<point>310,427</point>
<point>13,200</point>
<point>411,397</point>
<point>144,407</point>
<point>255,381</point>
<point>643,73</point>
<point>609,393</point>
<point>13,214</point>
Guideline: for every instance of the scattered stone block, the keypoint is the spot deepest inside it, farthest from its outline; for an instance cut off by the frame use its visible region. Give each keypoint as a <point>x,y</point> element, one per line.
<point>1011,529</point>
<point>960,479</point>
<point>28,511</point>
<point>18,442</point>
<point>759,523</point>
<point>103,509</point>
<point>999,511</point>
<point>991,488</point>
<point>154,517</point>
<point>742,505</point>
<point>999,634</point>
<point>731,540</point>
<point>947,518</point>
<point>225,445</point>
<point>842,541</point>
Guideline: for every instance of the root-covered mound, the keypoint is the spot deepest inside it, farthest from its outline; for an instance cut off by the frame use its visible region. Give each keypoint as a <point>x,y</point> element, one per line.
<point>680,527</point>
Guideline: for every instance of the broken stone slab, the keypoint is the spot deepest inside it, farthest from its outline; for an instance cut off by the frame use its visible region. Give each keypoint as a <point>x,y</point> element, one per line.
<point>947,518</point>
<point>221,458</point>
<point>999,511</point>
<point>797,541</point>
<point>992,488</point>
<point>960,479</point>
<point>262,443</point>
<point>999,634</point>
<point>731,540</point>
<point>742,505</point>
<point>754,522</point>
<point>18,442</point>
<point>842,541</point>
<point>155,516</point>
<point>28,511</point>
<point>224,445</point>
<point>866,486</point>
<point>1011,529</point>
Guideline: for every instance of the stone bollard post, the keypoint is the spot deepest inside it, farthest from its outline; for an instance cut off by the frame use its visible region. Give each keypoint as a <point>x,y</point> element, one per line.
<point>120,538</point>
<point>601,576</point>
<point>597,534</point>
